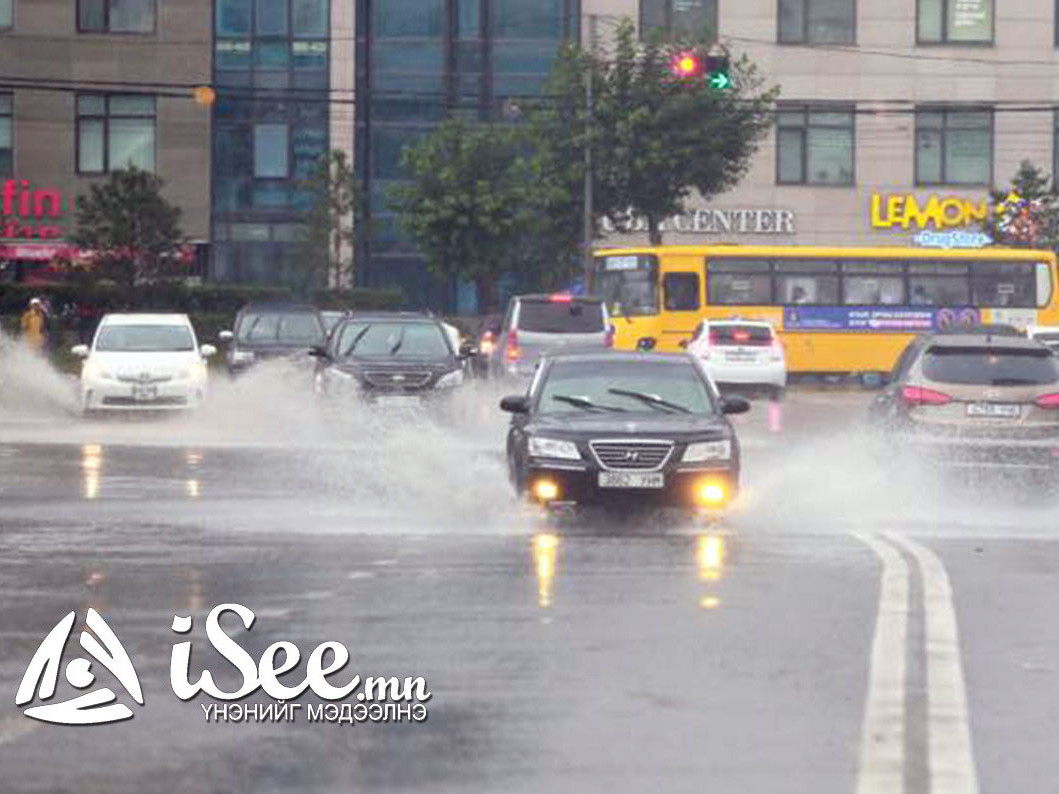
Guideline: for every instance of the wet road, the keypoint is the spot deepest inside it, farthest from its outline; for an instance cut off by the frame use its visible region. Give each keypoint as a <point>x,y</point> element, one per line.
<point>843,630</point>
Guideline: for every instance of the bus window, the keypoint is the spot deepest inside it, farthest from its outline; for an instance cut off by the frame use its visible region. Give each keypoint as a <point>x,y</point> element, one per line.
<point>939,291</point>
<point>1044,284</point>
<point>735,289</point>
<point>1004,284</point>
<point>681,291</point>
<point>807,289</point>
<point>873,290</point>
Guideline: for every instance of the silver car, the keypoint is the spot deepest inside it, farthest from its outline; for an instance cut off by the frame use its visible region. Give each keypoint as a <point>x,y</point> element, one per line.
<point>535,325</point>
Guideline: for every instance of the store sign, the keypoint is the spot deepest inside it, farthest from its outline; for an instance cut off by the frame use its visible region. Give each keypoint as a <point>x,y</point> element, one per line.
<point>958,238</point>
<point>905,211</point>
<point>28,213</point>
<point>710,221</point>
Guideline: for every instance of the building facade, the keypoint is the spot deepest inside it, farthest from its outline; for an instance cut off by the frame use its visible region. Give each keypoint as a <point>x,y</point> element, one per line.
<point>896,117</point>
<point>90,86</point>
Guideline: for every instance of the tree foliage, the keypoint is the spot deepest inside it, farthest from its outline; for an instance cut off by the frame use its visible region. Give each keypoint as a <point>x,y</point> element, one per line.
<point>131,231</point>
<point>469,202</point>
<point>324,255</point>
<point>1026,214</point>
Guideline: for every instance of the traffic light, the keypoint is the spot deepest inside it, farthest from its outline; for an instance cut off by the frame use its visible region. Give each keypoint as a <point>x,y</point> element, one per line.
<point>713,68</point>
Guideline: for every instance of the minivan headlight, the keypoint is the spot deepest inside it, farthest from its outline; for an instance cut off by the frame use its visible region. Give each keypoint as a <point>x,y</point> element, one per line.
<point>540,447</point>
<point>702,451</point>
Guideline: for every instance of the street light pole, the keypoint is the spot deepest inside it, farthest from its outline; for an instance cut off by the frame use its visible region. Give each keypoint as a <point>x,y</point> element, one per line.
<point>588,229</point>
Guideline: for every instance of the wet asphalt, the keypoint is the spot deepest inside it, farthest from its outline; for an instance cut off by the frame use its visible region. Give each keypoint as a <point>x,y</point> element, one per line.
<point>730,655</point>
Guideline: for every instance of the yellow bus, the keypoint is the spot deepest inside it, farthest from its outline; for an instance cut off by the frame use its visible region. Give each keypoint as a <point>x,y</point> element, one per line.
<point>838,309</point>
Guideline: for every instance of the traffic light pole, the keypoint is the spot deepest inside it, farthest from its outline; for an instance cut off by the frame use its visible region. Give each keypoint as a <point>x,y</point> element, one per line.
<point>588,228</point>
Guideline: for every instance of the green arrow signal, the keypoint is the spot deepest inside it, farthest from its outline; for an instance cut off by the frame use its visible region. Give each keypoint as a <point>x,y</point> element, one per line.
<point>720,80</point>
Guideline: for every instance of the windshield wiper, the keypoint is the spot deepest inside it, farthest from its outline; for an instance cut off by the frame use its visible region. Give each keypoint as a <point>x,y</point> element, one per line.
<point>651,399</point>
<point>584,402</point>
<point>356,340</point>
<point>396,347</point>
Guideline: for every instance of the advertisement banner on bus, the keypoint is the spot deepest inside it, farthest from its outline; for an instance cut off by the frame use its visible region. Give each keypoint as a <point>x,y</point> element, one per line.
<point>898,319</point>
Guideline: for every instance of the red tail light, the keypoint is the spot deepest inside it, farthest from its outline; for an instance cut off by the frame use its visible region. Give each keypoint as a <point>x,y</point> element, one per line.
<point>740,336</point>
<point>1047,401</point>
<point>561,297</point>
<point>513,351</point>
<point>916,395</point>
<point>608,337</point>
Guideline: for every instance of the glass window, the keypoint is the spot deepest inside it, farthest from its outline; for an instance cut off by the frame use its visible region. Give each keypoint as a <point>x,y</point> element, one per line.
<point>271,18</point>
<point>7,148</point>
<point>939,290</point>
<point>6,13</point>
<point>678,15</point>
<point>116,16</point>
<point>114,132</point>
<point>817,21</point>
<point>681,291</point>
<point>955,21</point>
<point>468,24</point>
<point>815,147</point>
<point>271,152</point>
<point>409,18</point>
<point>540,19</point>
<point>807,289</point>
<point>735,289</point>
<point>560,317</point>
<point>233,17</point>
<point>990,366</point>
<point>309,18</point>
<point>954,146</point>
<point>873,290</point>
<point>1004,284</point>
<point>674,381</point>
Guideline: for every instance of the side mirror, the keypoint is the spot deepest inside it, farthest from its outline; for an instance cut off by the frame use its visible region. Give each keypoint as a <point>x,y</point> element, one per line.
<point>207,351</point>
<point>318,351</point>
<point>734,405</point>
<point>467,350</point>
<point>81,351</point>
<point>515,404</point>
<point>226,336</point>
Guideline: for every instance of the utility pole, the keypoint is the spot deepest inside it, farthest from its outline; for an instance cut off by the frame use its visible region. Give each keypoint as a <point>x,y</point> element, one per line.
<point>589,227</point>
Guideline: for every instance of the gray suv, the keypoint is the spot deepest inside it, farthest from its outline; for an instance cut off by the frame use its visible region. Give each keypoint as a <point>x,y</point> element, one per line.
<point>535,325</point>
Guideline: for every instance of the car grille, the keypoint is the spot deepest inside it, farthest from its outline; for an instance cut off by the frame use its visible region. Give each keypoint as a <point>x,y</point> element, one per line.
<point>125,401</point>
<point>397,380</point>
<point>631,455</point>
<point>145,378</point>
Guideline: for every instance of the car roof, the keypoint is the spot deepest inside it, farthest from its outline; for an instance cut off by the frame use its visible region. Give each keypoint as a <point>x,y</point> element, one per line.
<point>547,297</point>
<point>986,340</point>
<point>585,356</point>
<point>131,318</point>
<point>384,315</point>
<point>278,306</point>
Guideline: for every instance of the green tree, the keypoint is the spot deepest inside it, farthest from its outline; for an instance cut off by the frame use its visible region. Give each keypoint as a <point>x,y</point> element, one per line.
<point>469,202</point>
<point>655,138</point>
<point>1026,214</point>
<point>131,230</point>
<point>326,240</point>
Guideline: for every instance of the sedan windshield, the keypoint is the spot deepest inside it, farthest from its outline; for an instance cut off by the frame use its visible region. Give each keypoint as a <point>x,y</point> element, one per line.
<point>145,339</point>
<point>292,328</point>
<point>628,386</point>
<point>389,339</point>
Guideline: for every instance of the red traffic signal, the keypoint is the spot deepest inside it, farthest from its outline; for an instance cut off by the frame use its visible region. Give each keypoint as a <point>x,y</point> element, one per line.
<point>686,65</point>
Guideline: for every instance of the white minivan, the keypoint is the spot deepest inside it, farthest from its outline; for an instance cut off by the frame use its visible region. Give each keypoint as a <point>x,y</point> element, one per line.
<point>140,362</point>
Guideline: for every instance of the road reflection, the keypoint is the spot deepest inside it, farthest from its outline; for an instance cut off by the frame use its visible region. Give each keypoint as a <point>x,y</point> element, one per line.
<point>91,470</point>
<point>545,546</point>
<point>710,551</point>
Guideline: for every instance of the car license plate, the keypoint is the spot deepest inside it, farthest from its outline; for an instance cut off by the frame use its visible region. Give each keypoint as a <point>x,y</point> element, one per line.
<point>144,393</point>
<point>629,479</point>
<point>998,410</point>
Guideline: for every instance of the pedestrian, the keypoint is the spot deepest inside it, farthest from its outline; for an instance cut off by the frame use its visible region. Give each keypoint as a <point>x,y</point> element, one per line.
<point>34,325</point>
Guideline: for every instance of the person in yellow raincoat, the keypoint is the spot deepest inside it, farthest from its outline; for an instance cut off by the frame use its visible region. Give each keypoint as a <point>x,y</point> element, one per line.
<point>34,325</point>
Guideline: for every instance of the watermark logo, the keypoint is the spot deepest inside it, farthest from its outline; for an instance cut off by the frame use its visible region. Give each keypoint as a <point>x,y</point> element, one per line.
<point>96,707</point>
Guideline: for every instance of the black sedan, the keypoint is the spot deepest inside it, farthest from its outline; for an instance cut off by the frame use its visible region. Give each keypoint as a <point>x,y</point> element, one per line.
<point>390,358</point>
<point>623,429</point>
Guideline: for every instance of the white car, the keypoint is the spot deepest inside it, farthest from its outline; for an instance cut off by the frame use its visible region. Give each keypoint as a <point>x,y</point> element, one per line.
<point>741,353</point>
<point>143,362</point>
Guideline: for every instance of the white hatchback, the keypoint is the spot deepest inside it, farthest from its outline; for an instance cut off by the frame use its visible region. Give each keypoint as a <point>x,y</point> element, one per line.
<point>143,362</point>
<point>741,353</point>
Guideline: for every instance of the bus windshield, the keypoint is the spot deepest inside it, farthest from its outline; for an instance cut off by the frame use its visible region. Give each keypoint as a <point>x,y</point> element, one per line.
<point>628,285</point>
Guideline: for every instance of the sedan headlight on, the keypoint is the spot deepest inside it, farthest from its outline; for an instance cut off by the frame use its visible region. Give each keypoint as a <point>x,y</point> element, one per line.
<point>702,451</point>
<point>450,380</point>
<point>553,448</point>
